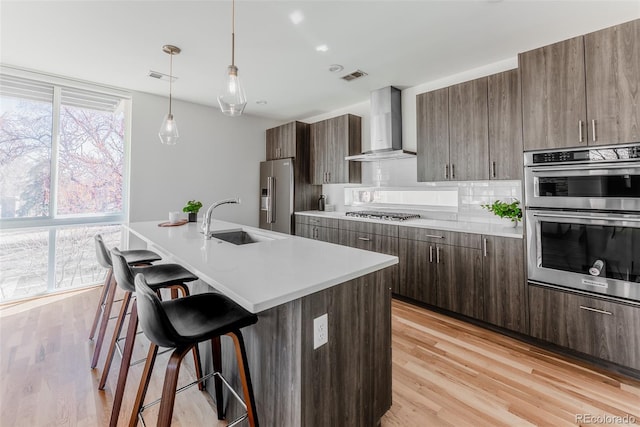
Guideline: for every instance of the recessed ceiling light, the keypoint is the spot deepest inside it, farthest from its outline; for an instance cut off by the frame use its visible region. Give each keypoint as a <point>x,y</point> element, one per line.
<point>322,48</point>
<point>296,17</point>
<point>261,102</point>
<point>335,68</point>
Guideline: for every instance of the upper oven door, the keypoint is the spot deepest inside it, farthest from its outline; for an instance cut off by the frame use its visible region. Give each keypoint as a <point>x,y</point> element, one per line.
<point>604,186</point>
<point>596,252</point>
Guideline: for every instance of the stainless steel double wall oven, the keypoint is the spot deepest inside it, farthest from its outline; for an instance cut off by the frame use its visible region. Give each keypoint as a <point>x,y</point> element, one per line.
<point>583,219</point>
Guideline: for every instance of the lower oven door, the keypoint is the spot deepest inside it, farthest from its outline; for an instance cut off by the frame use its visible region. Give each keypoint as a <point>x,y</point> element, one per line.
<point>595,252</point>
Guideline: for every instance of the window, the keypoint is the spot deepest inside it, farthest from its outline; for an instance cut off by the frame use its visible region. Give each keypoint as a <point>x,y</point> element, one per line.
<point>62,180</point>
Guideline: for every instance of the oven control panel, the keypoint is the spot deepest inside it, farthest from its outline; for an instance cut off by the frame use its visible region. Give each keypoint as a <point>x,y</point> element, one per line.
<point>592,155</point>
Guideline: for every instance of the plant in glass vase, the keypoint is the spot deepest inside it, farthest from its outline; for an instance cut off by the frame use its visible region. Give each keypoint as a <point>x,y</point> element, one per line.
<point>506,210</point>
<point>192,207</point>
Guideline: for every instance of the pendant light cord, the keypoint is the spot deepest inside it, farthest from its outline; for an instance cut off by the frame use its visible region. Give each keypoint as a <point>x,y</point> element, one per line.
<point>233,32</point>
<point>170,79</point>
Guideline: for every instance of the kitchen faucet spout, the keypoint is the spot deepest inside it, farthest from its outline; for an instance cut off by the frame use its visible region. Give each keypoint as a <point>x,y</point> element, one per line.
<point>206,222</point>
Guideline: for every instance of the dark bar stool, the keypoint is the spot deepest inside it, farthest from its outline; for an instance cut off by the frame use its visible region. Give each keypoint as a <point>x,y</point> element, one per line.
<point>182,324</point>
<point>105,303</point>
<point>159,276</point>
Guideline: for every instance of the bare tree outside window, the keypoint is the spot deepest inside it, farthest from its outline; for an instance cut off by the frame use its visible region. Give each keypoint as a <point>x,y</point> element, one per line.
<point>57,252</point>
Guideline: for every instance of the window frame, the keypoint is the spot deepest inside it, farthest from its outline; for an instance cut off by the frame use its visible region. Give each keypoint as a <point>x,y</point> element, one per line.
<point>58,82</point>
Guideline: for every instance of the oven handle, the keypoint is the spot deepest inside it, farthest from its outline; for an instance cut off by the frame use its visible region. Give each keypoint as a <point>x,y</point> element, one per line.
<point>586,166</point>
<point>602,218</point>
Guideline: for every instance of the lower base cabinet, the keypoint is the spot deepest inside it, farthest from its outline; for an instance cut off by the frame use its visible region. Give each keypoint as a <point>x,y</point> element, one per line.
<point>600,328</point>
<point>504,285</point>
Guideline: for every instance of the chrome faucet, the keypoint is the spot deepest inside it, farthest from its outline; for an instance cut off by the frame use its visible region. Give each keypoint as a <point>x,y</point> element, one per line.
<point>206,222</point>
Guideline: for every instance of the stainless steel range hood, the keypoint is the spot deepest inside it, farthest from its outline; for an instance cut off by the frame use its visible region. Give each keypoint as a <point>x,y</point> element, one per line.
<point>386,128</point>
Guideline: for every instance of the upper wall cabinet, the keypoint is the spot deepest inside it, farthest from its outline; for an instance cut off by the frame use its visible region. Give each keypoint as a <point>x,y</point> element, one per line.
<point>432,111</point>
<point>505,126</point>
<point>583,91</point>
<point>612,63</point>
<point>331,141</point>
<point>471,131</point>
<point>284,141</point>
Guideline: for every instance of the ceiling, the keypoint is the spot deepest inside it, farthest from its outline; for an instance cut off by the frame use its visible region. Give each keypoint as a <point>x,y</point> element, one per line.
<point>400,43</point>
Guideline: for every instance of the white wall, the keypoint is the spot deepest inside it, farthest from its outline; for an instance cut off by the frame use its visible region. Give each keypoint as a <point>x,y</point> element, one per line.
<point>217,157</point>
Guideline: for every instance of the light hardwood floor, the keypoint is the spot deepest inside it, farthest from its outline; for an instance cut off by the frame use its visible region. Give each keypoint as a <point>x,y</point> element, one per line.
<point>445,372</point>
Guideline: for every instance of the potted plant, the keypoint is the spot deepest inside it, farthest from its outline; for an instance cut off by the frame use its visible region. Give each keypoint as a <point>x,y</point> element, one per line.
<point>192,207</point>
<point>506,210</point>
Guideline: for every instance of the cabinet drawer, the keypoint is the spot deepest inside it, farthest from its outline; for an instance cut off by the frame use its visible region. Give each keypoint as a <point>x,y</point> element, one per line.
<point>467,240</point>
<point>390,230</point>
<point>601,328</point>
<point>319,221</point>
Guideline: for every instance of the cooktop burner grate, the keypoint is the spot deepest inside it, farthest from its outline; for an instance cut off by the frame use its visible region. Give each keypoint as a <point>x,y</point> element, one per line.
<point>390,216</point>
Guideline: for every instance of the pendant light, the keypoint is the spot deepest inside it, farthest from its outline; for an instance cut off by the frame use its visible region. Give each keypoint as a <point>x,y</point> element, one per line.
<point>169,129</point>
<point>232,98</point>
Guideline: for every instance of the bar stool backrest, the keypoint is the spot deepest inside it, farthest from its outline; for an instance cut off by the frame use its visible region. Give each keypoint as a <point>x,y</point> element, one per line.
<point>152,316</point>
<point>102,253</point>
<point>122,271</point>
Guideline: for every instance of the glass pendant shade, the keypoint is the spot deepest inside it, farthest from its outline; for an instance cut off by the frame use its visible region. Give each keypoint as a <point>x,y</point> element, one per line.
<point>169,130</point>
<point>232,98</point>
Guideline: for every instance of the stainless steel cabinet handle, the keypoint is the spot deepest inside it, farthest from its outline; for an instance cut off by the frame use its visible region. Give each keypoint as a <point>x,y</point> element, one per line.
<point>580,138</point>
<point>593,128</point>
<point>430,253</point>
<point>484,247</point>
<point>438,255</point>
<point>435,236</point>
<point>446,171</point>
<point>608,313</point>
<point>329,179</point>
<point>453,171</point>
<point>365,239</point>
<point>601,218</point>
<point>493,169</point>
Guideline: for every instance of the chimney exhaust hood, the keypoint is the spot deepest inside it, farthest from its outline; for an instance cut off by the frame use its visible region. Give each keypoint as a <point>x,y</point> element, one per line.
<point>386,128</point>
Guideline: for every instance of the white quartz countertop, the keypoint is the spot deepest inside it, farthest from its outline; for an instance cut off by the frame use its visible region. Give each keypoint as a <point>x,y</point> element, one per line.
<point>459,226</point>
<point>262,275</point>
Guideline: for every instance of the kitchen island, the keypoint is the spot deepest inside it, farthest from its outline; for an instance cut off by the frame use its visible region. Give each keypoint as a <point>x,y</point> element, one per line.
<point>289,281</point>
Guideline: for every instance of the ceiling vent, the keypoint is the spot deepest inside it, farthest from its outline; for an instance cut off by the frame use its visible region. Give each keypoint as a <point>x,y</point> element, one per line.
<point>353,76</point>
<point>160,76</point>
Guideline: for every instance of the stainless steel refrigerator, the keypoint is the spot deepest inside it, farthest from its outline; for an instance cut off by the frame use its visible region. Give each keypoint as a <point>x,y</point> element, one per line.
<point>277,195</point>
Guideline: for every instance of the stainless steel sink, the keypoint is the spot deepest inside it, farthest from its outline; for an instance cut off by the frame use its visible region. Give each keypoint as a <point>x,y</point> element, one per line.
<point>242,237</point>
<point>236,237</point>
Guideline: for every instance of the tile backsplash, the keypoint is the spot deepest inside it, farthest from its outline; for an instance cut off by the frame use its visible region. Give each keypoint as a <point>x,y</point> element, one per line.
<point>400,176</point>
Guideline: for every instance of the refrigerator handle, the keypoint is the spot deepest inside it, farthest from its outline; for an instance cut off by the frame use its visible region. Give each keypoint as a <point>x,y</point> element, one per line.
<point>271,211</point>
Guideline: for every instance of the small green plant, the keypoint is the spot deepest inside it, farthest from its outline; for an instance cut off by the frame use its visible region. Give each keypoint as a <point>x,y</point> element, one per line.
<point>192,206</point>
<point>506,210</point>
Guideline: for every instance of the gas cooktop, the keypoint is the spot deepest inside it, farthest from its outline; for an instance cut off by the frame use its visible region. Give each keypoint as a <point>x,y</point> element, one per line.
<point>389,216</point>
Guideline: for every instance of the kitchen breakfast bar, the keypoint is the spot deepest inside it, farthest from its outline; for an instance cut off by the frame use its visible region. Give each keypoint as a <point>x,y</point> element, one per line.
<point>289,281</point>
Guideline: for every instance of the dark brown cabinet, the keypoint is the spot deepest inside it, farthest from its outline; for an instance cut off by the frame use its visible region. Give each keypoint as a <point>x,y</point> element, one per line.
<point>583,91</point>
<point>432,115</point>
<point>331,141</point>
<point>601,328</point>
<point>612,63</point>
<point>324,229</point>
<point>285,141</point>
<point>471,131</point>
<point>553,94</point>
<point>445,275</point>
<point>504,286</point>
<point>375,237</point>
<point>505,125</point>
<point>468,131</point>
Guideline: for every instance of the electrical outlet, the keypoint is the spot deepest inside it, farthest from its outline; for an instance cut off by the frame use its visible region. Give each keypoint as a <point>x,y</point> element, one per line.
<point>320,331</point>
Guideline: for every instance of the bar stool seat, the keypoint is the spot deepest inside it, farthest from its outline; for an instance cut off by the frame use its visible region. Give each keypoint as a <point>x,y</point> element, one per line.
<point>182,324</point>
<point>161,276</point>
<point>105,303</point>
